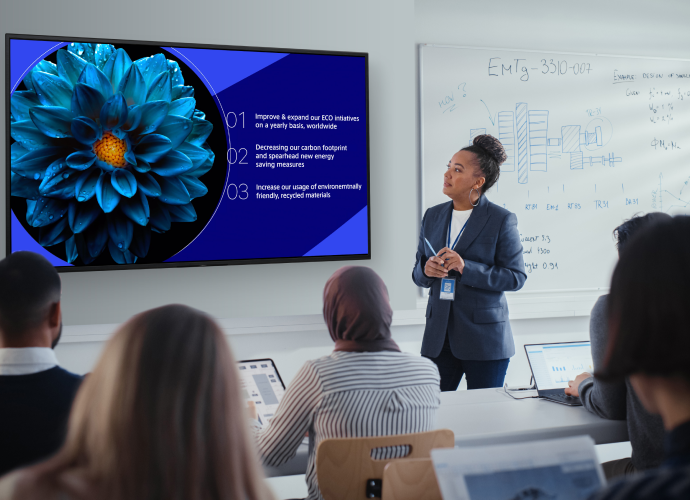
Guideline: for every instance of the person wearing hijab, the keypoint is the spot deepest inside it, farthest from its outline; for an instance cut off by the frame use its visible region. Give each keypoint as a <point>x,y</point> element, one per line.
<point>366,387</point>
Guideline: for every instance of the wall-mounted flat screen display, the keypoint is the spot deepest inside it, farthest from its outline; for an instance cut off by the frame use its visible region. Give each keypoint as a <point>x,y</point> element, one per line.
<point>132,155</point>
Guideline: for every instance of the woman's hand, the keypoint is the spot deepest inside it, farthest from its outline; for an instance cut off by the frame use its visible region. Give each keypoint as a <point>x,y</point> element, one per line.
<point>573,388</point>
<point>251,410</point>
<point>434,268</point>
<point>451,260</point>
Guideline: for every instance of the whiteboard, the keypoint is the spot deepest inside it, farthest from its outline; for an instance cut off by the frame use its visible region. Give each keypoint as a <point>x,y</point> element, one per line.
<point>591,141</point>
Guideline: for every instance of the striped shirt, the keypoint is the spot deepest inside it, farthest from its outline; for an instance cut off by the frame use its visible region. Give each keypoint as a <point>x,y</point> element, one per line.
<point>352,394</point>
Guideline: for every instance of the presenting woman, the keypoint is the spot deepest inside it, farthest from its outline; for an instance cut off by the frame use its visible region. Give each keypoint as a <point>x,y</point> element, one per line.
<point>469,254</point>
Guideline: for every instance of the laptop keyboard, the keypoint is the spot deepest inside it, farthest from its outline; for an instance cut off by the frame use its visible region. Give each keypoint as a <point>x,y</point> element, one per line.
<point>564,397</point>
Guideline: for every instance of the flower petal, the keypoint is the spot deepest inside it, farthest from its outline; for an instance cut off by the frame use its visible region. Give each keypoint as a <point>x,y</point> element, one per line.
<point>160,88</point>
<point>45,67</point>
<point>58,181</point>
<point>33,165</point>
<point>182,213</point>
<point>21,103</point>
<point>102,54</point>
<point>46,211</point>
<point>121,257</point>
<point>114,112</point>
<point>183,107</point>
<point>71,249</point>
<point>201,129</point>
<point>86,131</point>
<point>82,247</point>
<point>54,234</point>
<point>95,238</point>
<point>69,66</point>
<point>147,184</point>
<point>176,128</point>
<point>117,66</point>
<point>24,188</point>
<point>141,165</point>
<point>53,121</point>
<point>120,230</point>
<point>124,182</point>
<point>81,215</point>
<point>206,166</point>
<point>173,191</point>
<point>175,73</point>
<point>96,79</point>
<point>160,216</point>
<point>107,196</point>
<point>152,147</point>
<point>196,154</point>
<point>85,187</point>
<point>194,186</point>
<point>173,163</point>
<point>52,90</point>
<point>151,67</point>
<point>152,115</point>
<point>87,101</point>
<point>17,151</point>
<point>136,209</point>
<point>180,91</point>
<point>133,118</point>
<point>133,86</point>
<point>81,160</point>
<point>83,50</point>
<point>141,241</point>
<point>26,133</point>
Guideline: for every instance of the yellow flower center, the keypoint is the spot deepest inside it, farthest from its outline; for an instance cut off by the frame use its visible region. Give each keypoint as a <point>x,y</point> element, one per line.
<point>111,150</point>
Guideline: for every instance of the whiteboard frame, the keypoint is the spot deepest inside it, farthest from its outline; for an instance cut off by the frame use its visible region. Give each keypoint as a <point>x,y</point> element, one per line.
<point>533,303</point>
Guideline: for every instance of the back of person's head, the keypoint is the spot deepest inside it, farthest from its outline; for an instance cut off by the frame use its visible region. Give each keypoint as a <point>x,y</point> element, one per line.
<point>161,416</point>
<point>29,287</point>
<point>625,231</point>
<point>649,303</point>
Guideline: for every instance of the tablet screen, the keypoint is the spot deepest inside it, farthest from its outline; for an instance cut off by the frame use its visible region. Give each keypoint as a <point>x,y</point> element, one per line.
<point>262,384</point>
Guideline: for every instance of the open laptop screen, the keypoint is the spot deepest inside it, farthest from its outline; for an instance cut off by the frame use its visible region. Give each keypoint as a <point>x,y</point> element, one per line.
<point>262,384</point>
<point>553,365</point>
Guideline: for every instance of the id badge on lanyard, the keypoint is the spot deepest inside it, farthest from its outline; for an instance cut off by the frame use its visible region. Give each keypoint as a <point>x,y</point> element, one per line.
<point>447,289</point>
<point>448,284</point>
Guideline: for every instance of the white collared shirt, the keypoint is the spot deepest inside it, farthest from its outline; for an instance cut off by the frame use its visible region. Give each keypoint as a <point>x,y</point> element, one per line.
<point>26,360</point>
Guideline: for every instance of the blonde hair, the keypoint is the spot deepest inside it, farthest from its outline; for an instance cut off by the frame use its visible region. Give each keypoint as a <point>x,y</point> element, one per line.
<point>161,416</point>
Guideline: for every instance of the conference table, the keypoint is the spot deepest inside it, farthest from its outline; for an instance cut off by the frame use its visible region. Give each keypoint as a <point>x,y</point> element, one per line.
<point>490,416</point>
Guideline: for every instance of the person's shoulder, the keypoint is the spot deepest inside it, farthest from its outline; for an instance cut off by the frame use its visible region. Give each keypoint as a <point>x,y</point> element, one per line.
<point>437,209</point>
<point>664,483</point>
<point>599,310</point>
<point>497,210</point>
<point>68,375</point>
<point>26,484</point>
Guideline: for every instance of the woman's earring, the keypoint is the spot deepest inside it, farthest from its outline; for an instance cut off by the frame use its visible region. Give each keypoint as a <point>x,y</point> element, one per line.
<point>474,204</point>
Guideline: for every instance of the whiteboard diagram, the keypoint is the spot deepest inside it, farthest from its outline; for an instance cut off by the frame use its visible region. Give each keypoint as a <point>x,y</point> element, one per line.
<point>590,141</point>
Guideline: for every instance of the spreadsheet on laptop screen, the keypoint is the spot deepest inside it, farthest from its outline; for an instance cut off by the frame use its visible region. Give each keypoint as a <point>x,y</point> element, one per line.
<point>553,365</point>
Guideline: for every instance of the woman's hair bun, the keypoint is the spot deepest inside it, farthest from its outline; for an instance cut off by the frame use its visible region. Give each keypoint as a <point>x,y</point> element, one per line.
<point>492,146</point>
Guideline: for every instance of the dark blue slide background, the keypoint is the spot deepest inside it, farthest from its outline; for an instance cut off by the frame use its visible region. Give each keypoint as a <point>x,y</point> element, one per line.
<point>298,84</point>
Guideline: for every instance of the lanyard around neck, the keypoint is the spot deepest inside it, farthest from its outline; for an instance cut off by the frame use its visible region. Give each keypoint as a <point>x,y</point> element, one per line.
<point>459,234</point>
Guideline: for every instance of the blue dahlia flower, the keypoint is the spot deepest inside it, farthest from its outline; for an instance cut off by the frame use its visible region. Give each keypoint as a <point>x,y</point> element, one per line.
<point>107,150</point>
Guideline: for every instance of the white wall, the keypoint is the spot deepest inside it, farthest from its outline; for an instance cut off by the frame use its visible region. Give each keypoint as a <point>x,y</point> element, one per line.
<point>382,28</point>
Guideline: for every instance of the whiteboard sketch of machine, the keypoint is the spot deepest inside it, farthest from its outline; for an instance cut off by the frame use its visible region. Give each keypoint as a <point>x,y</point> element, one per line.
<point>524,135</point>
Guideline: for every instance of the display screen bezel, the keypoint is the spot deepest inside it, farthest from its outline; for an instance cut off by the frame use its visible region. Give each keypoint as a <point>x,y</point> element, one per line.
<point>168,265</point>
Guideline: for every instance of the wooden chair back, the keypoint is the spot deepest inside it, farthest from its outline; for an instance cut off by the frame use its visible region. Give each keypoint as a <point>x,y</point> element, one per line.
<point>410,479</point>
<point>345,469</point>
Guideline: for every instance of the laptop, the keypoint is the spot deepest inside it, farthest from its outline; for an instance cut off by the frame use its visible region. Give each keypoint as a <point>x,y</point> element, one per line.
<point>553,365</point>
<point>262,384</point>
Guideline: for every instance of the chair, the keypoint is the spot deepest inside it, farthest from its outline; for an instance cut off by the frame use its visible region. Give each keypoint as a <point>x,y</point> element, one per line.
<point>346,471</point>
<point>410,479</point>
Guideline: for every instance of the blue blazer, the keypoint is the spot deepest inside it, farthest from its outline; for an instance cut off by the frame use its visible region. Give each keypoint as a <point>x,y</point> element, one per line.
<point>477,320</point>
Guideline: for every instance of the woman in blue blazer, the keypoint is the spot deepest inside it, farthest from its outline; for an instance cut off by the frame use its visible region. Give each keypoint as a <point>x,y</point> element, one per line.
<point>479,258</point>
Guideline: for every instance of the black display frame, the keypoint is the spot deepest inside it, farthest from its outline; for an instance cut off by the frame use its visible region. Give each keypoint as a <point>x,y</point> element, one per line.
<point>172,265</point>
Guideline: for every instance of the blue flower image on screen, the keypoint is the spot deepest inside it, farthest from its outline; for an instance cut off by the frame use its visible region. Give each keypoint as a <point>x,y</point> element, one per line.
<point>107,150</point>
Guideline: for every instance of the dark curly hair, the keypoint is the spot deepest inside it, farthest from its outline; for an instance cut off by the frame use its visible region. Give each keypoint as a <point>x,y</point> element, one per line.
<point>624,232</point>
<point>490,155</point>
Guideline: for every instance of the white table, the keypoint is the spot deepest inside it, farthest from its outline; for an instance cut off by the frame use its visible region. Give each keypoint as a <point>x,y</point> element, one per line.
<point>489,416</point>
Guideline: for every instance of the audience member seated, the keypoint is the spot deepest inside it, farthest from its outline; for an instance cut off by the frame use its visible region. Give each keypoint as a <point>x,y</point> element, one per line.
<point>649,322</point>
<point>366,387</point>
<point>35,393</point>
<point>616,400</point>
<point>161,416</point>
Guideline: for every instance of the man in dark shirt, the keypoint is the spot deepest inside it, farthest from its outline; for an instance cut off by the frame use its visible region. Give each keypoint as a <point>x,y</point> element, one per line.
<point>35,393</point>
